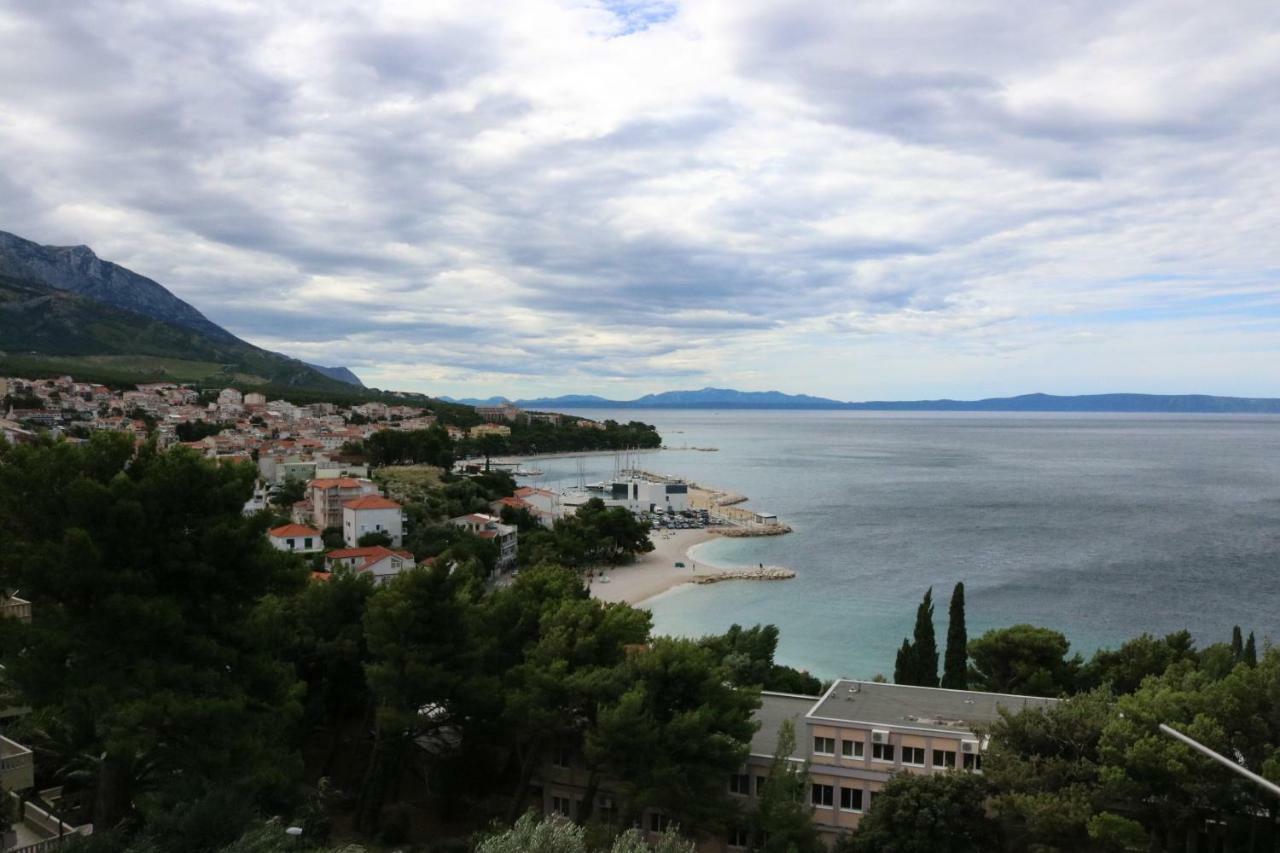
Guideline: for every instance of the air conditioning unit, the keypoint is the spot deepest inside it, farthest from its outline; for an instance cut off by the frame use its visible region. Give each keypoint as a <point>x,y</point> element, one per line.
<point>879,736</point>
<point>969,746</point>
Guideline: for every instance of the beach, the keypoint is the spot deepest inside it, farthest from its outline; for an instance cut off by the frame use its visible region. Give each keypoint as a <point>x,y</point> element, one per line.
<point>657,572</point>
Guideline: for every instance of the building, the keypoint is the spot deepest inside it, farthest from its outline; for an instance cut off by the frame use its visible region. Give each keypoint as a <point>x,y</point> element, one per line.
<point>255,399</point>
<point>329,494</point>
<point>633,493</point>
<point>297,538</point>
<point>488,527</point>
<point>503,412</point>
<point>381,563</point>
<point>854,738</point>
<point>372,514</point>
<point>230,397</point>
<point>490,429</point>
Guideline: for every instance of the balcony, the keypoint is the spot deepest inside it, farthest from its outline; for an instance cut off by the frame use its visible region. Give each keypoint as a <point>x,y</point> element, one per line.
<point>40,829</point>
<point>17,767</point>
<point>16,608</point>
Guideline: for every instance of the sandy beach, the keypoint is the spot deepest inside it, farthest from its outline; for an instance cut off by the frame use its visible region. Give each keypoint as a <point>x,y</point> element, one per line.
<point>656,573</point>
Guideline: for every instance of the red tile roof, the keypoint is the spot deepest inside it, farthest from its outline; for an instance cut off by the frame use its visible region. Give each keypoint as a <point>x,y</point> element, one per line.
<point>293,530</point>
<point>371,502</point>
<point>335,483</point>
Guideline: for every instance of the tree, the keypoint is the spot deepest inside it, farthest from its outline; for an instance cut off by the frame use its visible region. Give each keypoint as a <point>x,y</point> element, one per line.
<point>748,654</point>
<point>783,816</point>
<point>289,492</point>
<point>955,668</point>
<point>556,834</point>
<point>939,813</point>
<point>675,735</point>
<point>1237,643</point>
<point>1022,659</point>
<point>1143,656</point>
<point>145,654</point>
<point>1250,653</point>
<point>374,538</point>
<point>918,660</point>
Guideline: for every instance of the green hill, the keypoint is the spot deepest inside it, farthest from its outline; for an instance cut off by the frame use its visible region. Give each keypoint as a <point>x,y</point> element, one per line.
<point>45,330</point>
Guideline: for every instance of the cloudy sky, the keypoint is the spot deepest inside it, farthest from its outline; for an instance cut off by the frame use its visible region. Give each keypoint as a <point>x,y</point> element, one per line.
<point>890,199</point>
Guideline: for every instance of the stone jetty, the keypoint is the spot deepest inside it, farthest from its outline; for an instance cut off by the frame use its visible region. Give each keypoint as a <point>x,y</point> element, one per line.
<point>767,573</point>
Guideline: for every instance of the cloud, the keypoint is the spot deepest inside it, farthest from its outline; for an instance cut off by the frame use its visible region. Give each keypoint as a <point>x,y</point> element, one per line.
<point>474,197</point>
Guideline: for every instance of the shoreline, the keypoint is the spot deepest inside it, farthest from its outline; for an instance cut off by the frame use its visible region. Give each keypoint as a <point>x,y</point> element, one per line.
<point>655,574</point>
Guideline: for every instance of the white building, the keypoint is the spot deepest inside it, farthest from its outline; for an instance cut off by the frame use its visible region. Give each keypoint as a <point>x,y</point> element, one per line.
<point>380,562</point>
<point>372,514</point>
<point>635,494</point>
<point>297,538</point>
<point>488,527</point>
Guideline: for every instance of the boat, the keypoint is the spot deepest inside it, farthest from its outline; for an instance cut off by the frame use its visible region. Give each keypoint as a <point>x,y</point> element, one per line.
<point>521,471</point>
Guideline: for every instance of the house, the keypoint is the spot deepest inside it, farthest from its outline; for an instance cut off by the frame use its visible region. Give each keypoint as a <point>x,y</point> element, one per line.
<point>329,494</point>
<point>380,562</point>
<point>488,527</point>
<point>297,538</point>
<point>372,514</point>
<point>853,739</point>
<point>490,429</point>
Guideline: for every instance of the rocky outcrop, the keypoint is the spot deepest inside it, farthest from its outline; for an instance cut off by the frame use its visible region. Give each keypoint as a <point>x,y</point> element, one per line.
<point>755,530</point>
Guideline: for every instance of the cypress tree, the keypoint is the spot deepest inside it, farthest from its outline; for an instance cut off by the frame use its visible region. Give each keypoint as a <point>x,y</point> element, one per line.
<point>1237,644</point>
<point>955,668</point>
<point>925,645</point>
<point>902,665</point>
<point>1250,655</point>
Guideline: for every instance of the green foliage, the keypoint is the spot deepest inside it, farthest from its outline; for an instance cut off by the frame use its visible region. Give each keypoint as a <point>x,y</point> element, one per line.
<point>783,816</point>
<point>955,667</point>
<point>374,538</point>
<point>1125,668</point>
<point>415,447</point>
<point>748,655</point>
<point>558,835</point>
<point>1022,659</point>
<point>1113,832</point>
<point>290,492</point>
<point>917,661</point>
<point>530,436</point>
<point>595,535</point>
<point>196,430</point>
<point>674,736</point>
<point>939,813</point>
<point>145,652</point>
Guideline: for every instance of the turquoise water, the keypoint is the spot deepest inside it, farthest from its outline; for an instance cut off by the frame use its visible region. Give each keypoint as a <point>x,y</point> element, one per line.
<point>1100,526</point>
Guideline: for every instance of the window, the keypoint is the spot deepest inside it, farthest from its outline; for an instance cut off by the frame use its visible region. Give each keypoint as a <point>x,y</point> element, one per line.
<point>760,780</point>
<point>307,543</point>
<point>851,748</point>
<point>560,806</point>
<point>913,755</point>
<point>824,746</point>
<point>882,751</point>
<point>740,783</point>
<point>739,838</point>
<point>562,756</point>
<point>822,795</point>
<point>972,762</point>
<point>658,822</point>
<point>851,799</point>
<point>944,758</point>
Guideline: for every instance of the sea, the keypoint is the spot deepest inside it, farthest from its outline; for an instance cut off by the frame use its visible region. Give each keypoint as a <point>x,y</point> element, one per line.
<point>1101,526</point>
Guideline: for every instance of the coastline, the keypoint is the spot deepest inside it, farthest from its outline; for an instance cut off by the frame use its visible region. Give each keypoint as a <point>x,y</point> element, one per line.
<point>656,574</point>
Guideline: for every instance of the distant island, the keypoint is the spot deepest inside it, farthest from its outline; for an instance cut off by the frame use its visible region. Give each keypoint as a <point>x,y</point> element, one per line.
<point>725,398</point>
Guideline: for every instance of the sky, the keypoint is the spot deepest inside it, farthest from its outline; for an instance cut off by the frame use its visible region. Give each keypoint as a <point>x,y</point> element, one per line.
<point>895,199</point>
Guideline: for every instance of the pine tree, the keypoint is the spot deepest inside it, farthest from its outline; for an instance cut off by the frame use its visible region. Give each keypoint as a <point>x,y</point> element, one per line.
<point>1237,644</point>
<point>955,669</point>
<point>925,645</point>
<point>1250,655</point>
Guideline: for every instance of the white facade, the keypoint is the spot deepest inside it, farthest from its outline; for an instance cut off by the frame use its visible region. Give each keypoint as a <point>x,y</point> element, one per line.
<point>372,514</point>
<point>297,538</point>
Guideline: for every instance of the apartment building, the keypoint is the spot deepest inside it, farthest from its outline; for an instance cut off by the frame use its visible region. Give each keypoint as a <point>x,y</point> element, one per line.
<point>328,495</point>
<point>854,738</point>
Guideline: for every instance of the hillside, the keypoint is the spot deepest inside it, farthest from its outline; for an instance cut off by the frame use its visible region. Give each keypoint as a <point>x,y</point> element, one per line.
<point>46,329</point>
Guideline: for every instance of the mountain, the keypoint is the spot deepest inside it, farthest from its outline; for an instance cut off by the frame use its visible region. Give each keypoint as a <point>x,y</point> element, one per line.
<point>45,329</point>
<point>77,270</point>
<point>723,398</point>
<point>342,374</point>
<point>473,401</point>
